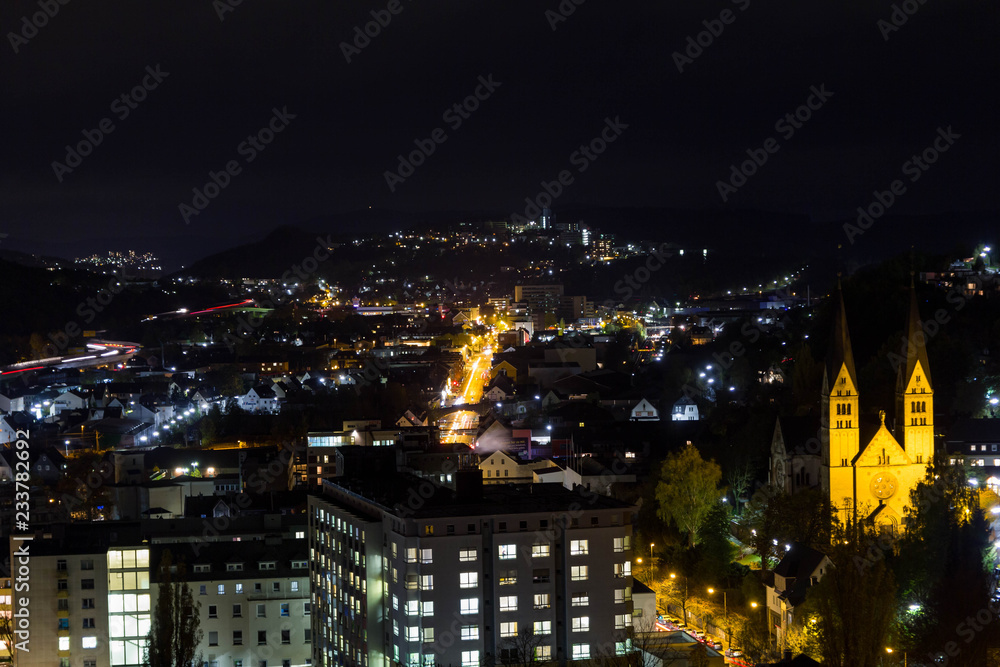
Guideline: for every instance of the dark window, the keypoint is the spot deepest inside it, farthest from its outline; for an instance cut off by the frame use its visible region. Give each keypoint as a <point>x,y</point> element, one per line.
<point>261,637</point>
<point>87,584</point>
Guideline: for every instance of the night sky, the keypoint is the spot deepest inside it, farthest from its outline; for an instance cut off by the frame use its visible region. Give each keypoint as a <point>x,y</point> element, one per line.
<point>557,87</point>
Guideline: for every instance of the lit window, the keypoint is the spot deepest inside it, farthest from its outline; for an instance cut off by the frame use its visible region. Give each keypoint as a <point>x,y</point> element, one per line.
<point>579,547</point>
<point>543,627</point>
<point>542,601</point>
<point>427,582</point>
<point>543,653</point>
<point>468,580</point>
<point>508,552</point>
<point>540,551</point>
<point>581,624</point>
<point>426,556</point>
<point>508,629</point>
<point>428,608</point>
<point>508,603</point>
<point>413,633</point>
<point>411,555</point>
<point>470,632</point>
<point>470,658</point>
<point>622,544</point>
<point>64,643</point>
<point>469,606</point>
<point>580,600</point>
<point>622,621</point>
<point>466,555</point>
<point>581,651</point>
<point>578,573</point>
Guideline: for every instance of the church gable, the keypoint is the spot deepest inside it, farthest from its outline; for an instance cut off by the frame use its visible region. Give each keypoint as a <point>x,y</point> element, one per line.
<point>882,450</point>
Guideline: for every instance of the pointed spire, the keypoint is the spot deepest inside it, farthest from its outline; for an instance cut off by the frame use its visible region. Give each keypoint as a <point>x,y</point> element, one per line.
<point>840,345</point>
<point>916,340</point>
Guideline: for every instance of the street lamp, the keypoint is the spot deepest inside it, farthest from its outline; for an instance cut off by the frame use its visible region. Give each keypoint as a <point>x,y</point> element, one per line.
<point>651,545</point>
<point>889,651</point>
<point>767,622</point>
<point>725,604</point>
<point>683,599</point>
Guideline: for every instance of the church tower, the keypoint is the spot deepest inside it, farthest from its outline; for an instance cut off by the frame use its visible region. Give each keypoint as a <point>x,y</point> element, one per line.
<point>840,428</point>
<point>914,395</point>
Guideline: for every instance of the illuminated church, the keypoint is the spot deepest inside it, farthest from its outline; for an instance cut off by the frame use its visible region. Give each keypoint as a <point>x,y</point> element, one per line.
<point>860,465</point>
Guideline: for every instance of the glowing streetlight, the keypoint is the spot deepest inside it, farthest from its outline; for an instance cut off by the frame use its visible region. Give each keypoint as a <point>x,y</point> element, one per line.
<point>725,603</point>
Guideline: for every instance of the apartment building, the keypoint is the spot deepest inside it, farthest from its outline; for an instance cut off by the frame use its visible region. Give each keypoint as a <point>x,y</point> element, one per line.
<point>91,589</point>
<point>87,594</point>
<point>253,601</point>
<point>406,571</point>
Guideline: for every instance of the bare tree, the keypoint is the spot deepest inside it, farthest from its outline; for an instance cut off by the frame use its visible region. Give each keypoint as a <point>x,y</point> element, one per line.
<point>740,479</point>
<point>521,649</point>
<point>641,646</point>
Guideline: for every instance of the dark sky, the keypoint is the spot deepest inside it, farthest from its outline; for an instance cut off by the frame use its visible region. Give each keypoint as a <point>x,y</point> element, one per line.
<point>607,59</point>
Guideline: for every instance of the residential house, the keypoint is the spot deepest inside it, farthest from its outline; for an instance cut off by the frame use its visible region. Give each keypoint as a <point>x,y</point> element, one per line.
<point>260,399</point>
<point>644,411</point>
<point>684,410</point>
<point>800,569</point>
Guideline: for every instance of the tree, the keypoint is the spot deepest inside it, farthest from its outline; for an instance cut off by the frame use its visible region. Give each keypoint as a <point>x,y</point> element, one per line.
<point>740,479</point>
<point>855,602</point>
<point>716,551</point>
<point>521,649</point>
<point>804,517</point>
<point>687,491</point>
<point>175,630</point>
<point>946,548</point>
<point>7,634</point>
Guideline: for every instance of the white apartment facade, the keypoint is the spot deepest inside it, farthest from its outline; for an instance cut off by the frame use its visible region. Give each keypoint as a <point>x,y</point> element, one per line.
<point>440,579</point>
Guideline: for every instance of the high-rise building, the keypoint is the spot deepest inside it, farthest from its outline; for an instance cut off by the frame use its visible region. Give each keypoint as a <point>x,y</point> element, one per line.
<point>408,572</point>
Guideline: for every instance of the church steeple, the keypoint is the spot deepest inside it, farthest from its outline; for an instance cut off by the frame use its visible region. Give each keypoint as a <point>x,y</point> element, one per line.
<point>840,433</point>
<point>914,392</point>
<point>916,345</point>
<point>841,355</point>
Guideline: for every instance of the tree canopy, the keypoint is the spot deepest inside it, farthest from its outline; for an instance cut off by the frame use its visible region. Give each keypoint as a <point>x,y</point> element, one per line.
<point>687,490</point>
